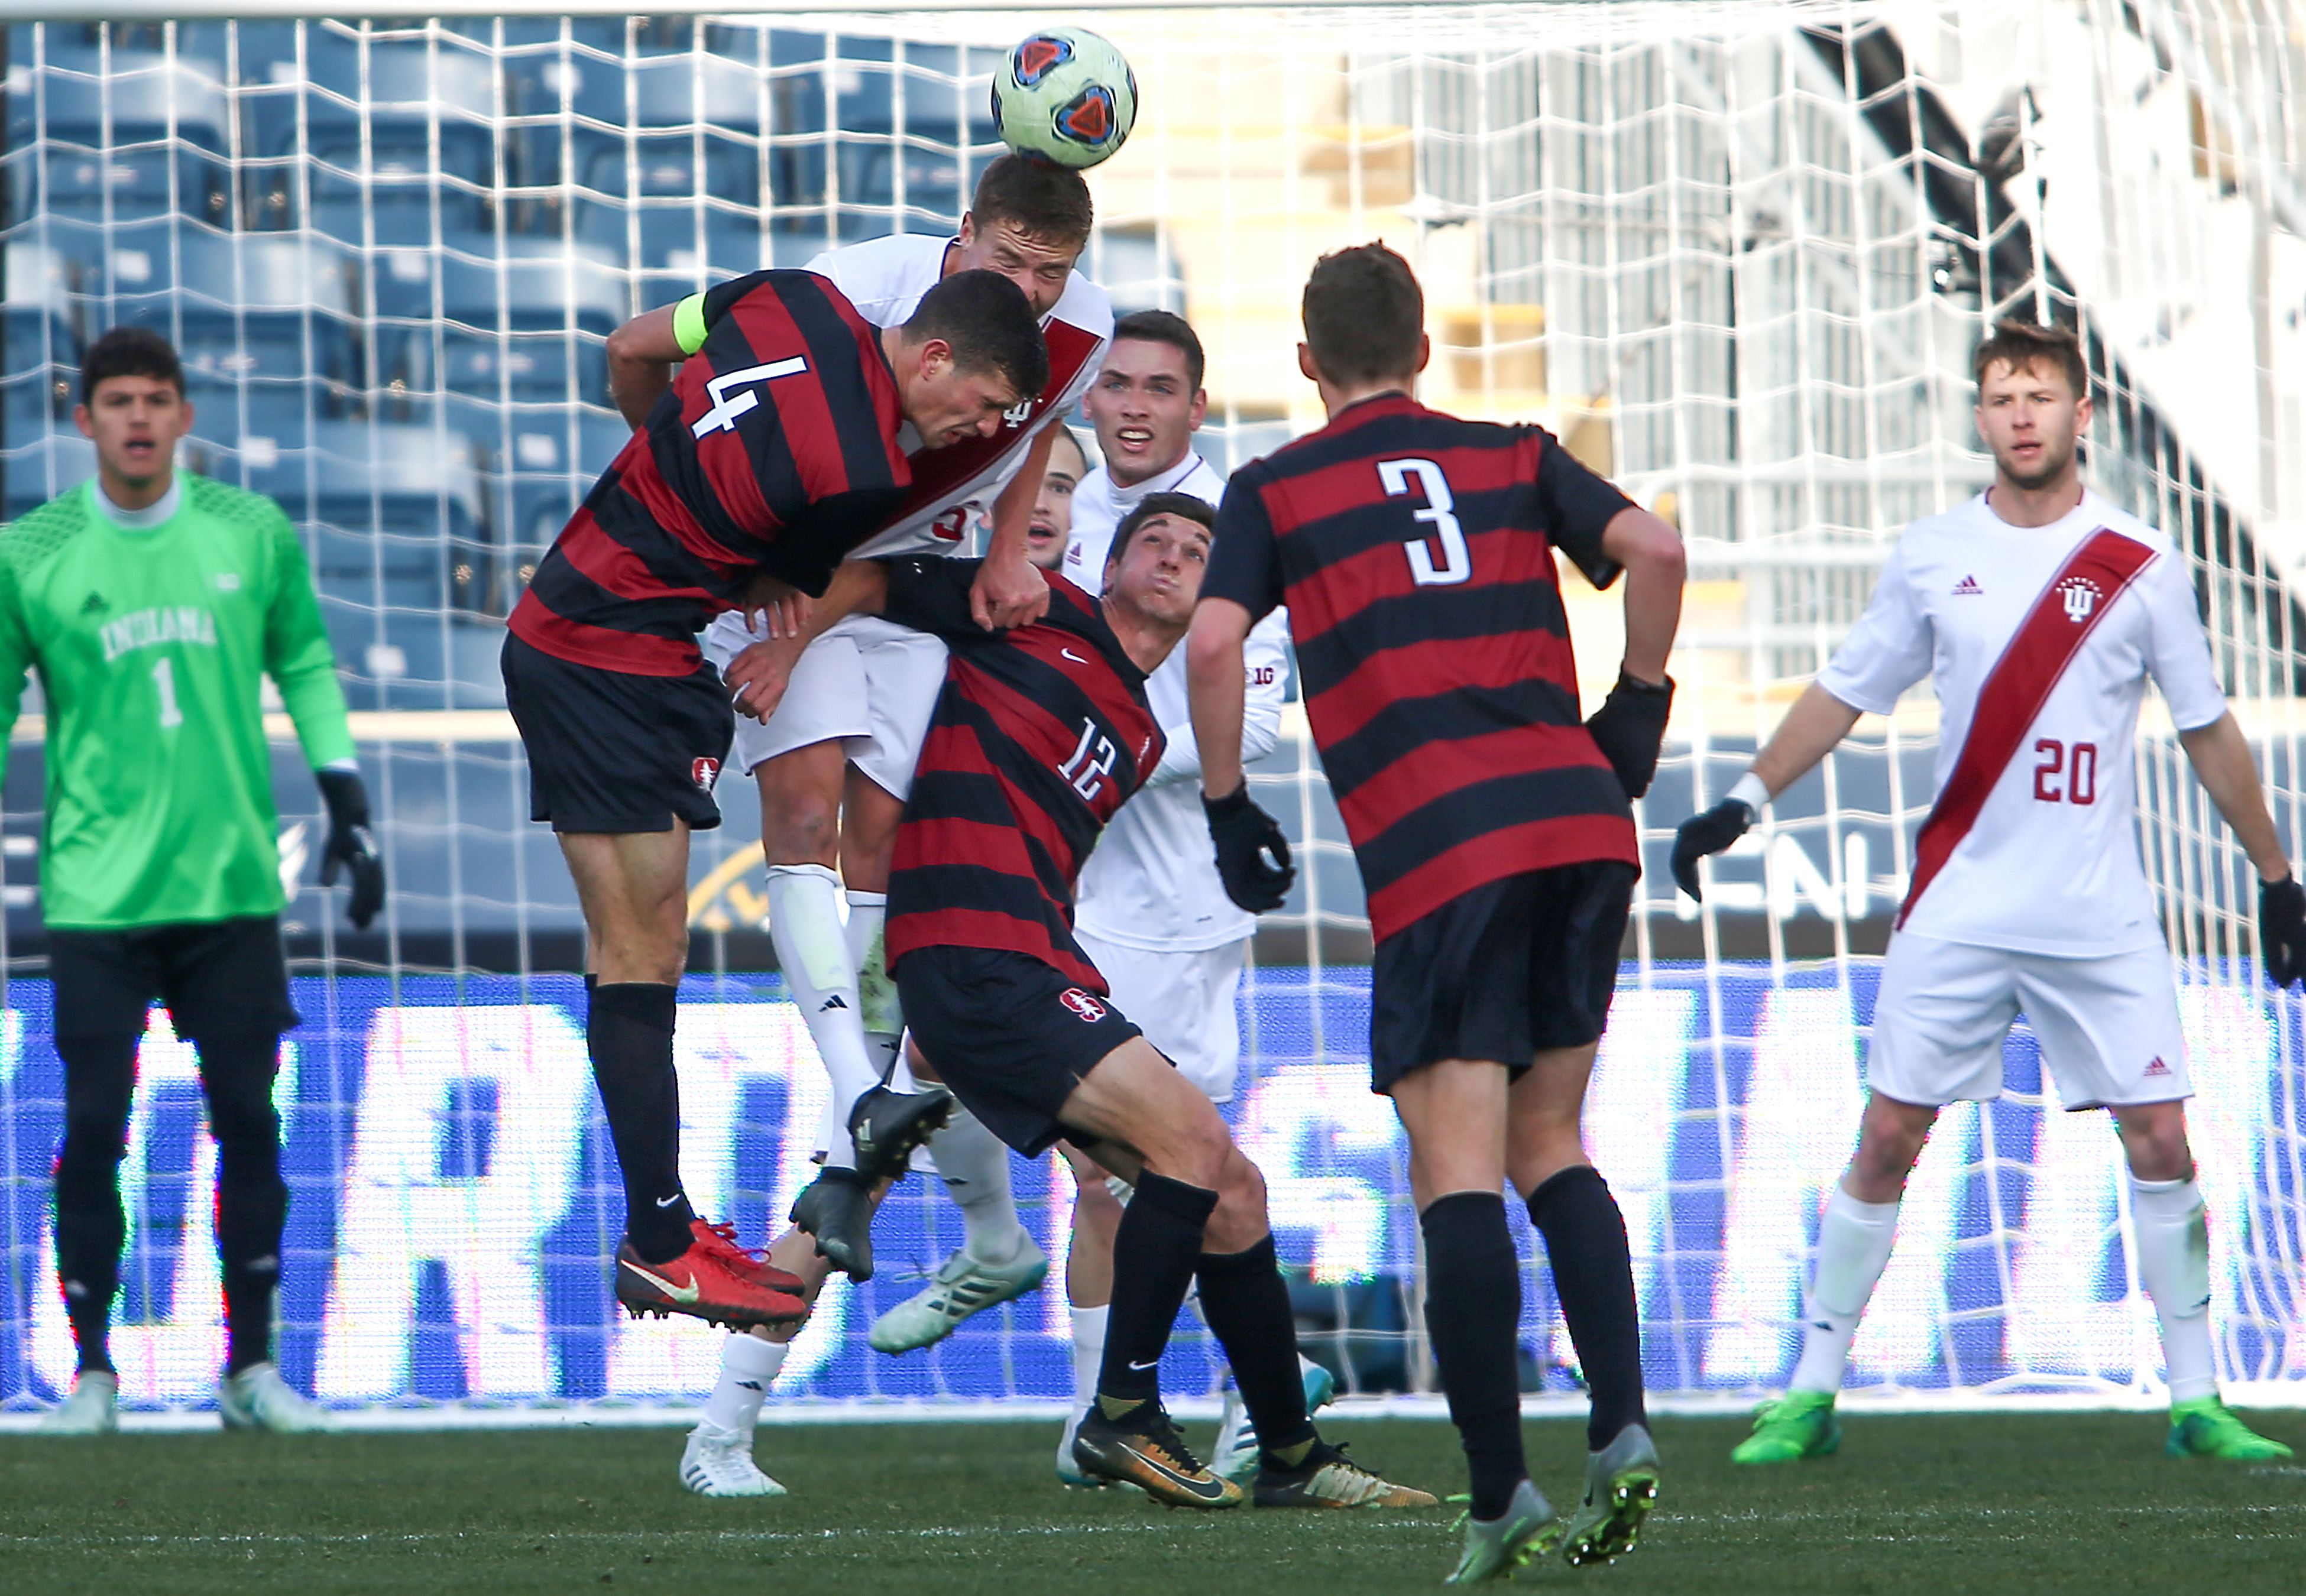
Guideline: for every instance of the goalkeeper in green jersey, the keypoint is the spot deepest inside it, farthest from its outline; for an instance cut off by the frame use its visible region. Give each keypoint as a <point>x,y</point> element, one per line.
<point>152,603</point>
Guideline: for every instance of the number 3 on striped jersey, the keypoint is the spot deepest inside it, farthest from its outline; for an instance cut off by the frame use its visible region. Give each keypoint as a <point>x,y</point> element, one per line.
<point>1090,762</point>
<point>1456,562</point>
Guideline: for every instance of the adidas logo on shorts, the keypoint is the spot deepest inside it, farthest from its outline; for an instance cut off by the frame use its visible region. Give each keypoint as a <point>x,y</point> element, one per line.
<point>2157,1067</point>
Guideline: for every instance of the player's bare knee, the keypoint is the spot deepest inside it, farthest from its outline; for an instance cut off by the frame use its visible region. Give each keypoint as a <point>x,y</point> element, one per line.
<point>2154,1139</point>
<point>1241,1217</point>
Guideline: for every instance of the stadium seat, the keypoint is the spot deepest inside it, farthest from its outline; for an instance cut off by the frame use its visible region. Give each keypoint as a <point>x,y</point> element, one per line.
<point>370,128</point>
<point>40,368</point>
<point>147,142</point>
<point>258,319</point>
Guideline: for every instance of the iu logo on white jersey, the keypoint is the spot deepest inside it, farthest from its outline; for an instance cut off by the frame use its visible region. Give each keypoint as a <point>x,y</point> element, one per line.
<point>2081,596</point>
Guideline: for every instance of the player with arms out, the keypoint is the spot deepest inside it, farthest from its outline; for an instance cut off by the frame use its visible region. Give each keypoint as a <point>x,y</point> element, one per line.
<point>1415,552</point>
<point>835,760</point>
<point>153,602</point>
<point>2039,610</point>
<point>770,456</point>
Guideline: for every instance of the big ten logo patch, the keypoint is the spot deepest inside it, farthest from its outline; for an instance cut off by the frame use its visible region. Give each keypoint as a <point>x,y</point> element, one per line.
<point>1082,1004</point>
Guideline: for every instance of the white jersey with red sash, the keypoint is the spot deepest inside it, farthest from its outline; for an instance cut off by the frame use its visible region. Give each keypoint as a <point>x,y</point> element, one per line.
<point>2039,641</point>
<point>953,487</point>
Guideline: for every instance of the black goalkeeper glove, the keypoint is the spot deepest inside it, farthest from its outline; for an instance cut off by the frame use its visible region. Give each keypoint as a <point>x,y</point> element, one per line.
<point>1630,728</point>
<point>351,846</point>
<point>1707,833</point>
<point>2282,929</point>
<point>1253,855</point>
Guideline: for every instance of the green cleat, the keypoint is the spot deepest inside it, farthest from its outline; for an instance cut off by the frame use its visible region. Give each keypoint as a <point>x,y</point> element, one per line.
<point>1496,1548</point>
<point>1621,1487</point>
<point>2207,1427</point>
<point>1797,1425</point>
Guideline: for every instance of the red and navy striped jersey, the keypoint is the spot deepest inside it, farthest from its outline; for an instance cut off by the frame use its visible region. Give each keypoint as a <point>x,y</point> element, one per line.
<point>1416,553</point>
<point>1039,736</point>
<point>775,449</point>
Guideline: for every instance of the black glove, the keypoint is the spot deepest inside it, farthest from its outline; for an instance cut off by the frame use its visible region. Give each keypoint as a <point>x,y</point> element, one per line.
<point>1245,835</point>
<point>1630,728</point>
<point>1707,833</point>
<point>2282,929</point>
<point>351,846</point>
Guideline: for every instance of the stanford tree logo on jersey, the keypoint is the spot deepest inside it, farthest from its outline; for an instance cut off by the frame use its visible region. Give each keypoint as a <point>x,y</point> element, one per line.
<point>1082,1004</point>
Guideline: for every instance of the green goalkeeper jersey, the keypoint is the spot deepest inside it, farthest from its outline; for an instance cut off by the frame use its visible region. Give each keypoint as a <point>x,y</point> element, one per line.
<point>151,645</point>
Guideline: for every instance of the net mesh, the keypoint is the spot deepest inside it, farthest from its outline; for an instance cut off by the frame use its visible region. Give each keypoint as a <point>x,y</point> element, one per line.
<point>1734,254</point>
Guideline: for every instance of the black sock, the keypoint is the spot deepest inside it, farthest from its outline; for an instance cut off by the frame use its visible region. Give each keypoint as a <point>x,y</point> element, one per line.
<point>1247,1305</point>
<point>100,1078</point>
<point>1472,1313</point>
<point>238,1072</point>
<point>1154,1254</point>
<point>629,1032</point>
<point>1594,1275</point>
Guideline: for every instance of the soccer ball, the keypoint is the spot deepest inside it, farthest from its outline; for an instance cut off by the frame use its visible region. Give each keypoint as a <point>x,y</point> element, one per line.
<point>1064,95</point>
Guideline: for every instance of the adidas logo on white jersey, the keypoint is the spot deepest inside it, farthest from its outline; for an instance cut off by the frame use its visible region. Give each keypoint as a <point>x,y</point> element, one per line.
<point>1968,585</point>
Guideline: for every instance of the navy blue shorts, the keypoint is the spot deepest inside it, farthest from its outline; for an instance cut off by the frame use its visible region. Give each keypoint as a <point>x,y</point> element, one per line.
<point>613,753</point>
<point>218,979</point>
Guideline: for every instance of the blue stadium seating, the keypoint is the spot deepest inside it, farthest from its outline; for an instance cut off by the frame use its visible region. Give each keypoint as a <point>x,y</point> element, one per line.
<point>147,141</point>
<point>261,319</point>
<point>40,367</point>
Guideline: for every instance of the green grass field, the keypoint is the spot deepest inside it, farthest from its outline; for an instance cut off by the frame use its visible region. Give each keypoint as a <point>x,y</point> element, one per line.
<point>2009,1503</point>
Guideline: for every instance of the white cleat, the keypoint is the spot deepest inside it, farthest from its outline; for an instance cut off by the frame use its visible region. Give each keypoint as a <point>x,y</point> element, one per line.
<point>257,1398</point>
<point>93,1408</point>
<point>719,1463</point>
<point>1069,1472</point>
<point>960,1287</point>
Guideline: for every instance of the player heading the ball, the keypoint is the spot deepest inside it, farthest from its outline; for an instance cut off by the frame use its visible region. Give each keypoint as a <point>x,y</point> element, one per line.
<point>1494,833</point>
<point>2039,610</point>
<point>153,603</point>
<point>770,456</point>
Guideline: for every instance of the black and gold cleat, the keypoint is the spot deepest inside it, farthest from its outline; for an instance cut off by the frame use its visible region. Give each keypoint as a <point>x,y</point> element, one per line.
<point>1327,1477</point>
<point>1143,1449</point>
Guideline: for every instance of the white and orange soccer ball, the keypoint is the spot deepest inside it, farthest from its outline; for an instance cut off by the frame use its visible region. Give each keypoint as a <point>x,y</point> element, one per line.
<point>1064,95</point>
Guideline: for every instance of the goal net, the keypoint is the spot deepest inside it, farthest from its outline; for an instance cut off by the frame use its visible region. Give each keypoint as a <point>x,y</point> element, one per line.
<point>1736,254</point>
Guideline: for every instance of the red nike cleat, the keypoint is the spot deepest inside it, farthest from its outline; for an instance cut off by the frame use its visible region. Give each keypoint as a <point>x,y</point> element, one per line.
<point>762,1271</point>
<point>713,1281</point>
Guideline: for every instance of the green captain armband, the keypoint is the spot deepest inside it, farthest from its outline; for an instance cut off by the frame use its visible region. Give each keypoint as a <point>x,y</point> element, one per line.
<point>688,324</point>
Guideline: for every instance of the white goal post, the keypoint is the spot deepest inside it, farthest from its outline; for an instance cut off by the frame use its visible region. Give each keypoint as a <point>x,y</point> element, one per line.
<point>1735,254</point>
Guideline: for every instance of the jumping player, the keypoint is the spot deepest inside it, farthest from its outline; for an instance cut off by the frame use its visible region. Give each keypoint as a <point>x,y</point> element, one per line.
<point>153,602</point>
<point>772,455</point>
<point>834,762</point>
<point>1416,553</point>
<point>2039,610</point>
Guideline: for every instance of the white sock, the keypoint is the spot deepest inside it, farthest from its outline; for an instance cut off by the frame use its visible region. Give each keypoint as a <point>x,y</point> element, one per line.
<point>1088,1353</point>
<point>1853,1249</point>
<point>2174,1260</point>
<point>748,1364</point>
<point>974,1166</point>
<point>883,1019</point>
<point>813,950</point>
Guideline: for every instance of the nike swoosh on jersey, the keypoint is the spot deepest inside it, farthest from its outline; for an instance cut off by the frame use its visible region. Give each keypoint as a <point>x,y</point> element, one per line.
<point>1075,658</point>
<point>690,1292</point>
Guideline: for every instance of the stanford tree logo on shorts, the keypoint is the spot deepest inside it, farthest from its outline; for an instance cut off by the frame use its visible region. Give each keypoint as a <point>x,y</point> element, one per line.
<point>1082,1004</point>
<point>704,773</point>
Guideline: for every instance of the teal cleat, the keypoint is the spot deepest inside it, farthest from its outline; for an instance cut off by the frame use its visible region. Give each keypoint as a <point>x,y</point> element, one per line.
<point>1797,1425</point>
<point>1495,1549</point>
<point>2208,1428</point>
<point>1621,1487</point>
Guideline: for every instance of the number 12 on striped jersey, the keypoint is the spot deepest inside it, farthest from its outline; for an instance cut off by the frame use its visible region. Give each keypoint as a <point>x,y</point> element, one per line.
<point>1089,762</point>
<point>1455,564</point>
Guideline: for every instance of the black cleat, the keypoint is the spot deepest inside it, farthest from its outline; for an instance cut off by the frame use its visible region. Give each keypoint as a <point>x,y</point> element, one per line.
<point>1142,1449</point>
<point>887,1126</point>
<point>836,1208</point>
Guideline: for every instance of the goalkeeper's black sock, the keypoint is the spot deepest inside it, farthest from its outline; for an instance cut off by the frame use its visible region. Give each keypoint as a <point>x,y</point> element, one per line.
<point>629,1032</point>
<point>1472,1313</point>
<point>1154,1254</point>
<point>100,1078</point>
<point>1247,1305</point>
<point>238,1072</point>
<point>1593,1277</point>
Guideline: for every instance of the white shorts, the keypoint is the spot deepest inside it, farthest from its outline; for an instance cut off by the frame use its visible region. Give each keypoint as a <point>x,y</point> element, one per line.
<point>2108,1027</point>
<point>867,683</point>
<point>1184,1002</point>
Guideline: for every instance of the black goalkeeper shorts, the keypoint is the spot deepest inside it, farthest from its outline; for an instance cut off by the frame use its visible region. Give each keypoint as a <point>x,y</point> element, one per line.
<point>1509,969</point>
<point>217,977</point>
